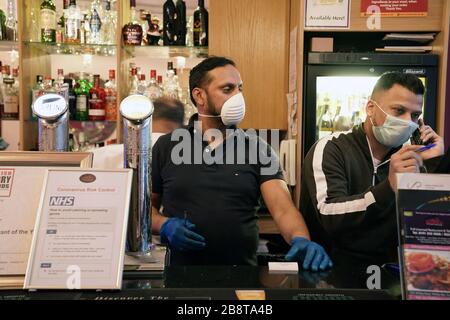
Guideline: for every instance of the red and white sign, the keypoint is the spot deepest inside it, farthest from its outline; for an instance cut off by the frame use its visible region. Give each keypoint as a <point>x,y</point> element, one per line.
<point>6,182</point>
<point>395,8</point>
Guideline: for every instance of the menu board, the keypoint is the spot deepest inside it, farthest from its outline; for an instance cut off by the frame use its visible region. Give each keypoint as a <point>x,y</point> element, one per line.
<point>80,232</point>
<point>20,191</point>
<point>423,203</point>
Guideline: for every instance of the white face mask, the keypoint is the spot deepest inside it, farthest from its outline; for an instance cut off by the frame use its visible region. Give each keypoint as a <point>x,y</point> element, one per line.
<point>394,132</point>
<point>233,110</point>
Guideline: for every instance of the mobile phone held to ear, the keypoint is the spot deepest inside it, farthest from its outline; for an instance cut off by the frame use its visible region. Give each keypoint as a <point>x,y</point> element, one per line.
<point>415,139</point>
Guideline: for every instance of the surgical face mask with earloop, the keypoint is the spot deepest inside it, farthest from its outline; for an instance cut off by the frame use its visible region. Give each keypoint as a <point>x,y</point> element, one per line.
<point>395,131</point>
<point>233,110</point>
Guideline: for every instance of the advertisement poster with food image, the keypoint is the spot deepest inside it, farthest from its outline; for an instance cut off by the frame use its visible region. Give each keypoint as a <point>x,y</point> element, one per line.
<point>424,220</point>
<point>427,274</point>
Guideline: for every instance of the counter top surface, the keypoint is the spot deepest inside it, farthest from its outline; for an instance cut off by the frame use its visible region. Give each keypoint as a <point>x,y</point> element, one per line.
<point>346,281</point>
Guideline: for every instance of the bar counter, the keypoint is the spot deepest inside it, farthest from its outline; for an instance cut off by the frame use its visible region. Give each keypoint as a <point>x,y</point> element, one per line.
<point>346,281</point>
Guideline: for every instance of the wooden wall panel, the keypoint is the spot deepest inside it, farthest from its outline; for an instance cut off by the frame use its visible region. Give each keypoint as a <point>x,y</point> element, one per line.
<point>255,33</point>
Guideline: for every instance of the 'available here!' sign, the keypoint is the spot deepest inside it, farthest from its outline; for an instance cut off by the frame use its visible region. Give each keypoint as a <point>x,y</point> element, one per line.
<point>396,8</point>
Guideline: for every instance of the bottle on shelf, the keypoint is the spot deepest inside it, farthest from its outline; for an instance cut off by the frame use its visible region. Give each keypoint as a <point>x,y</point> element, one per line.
<point>10,92</point>
<point>108,31</point>
<point>169,23</point>
<point>154,91</point>
<point>48,21</point>
<point>134,81</point>
<point>2,25</point>
<point>72,98</point>
<point>97,98</point>
<point>95,22</point>
<point>60,87</point>
<point>82,89</point>
<point>37,91</point>
<point>181,22</point>
<point>111,97</point>
<point>48,85</point>
<point>60,78</point>
<point>61,24</point>
<point>82,143</point>
<point>201,18</point>
<point>142,85</point>
<point>153,33</point>
<point>171,88</point>
<point>72,33</point>
<point>132,32</point>
<point>84,29</point>
<point>11,21</point>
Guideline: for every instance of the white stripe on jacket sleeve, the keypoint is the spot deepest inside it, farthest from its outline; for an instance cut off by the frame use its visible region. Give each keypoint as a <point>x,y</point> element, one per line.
<point>322,186</point>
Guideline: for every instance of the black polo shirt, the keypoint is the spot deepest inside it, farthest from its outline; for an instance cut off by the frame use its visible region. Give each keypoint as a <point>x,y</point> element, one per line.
<point>220,198</point>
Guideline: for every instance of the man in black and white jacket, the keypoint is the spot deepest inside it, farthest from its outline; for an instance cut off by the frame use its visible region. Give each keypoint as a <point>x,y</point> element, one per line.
<point>347,195</point>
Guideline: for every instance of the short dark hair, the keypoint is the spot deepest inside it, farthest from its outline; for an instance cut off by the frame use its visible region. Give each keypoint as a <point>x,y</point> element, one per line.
<point>408,81</point>
<point>169,109</point>
<point>199,74</point>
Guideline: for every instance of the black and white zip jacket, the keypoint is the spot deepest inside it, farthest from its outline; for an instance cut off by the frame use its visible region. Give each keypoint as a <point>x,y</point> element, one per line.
<point>347,203</point>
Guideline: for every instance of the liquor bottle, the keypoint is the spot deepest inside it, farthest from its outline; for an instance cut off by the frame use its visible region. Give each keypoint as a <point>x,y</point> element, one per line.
<point>153,33</point>
<point>84,30</point>
<point>48,21</point>
<point>132,32</point>
<point>108,31</point>
<point>60,86</point>
<point>111,97</point>
<point>61,24</point>
<point>169,23</point>
<point>72,99</point>
<point>82,89</point>
<point>82,143</point>
<point>2,25</point>
<point>134,81</point>
<point>201,25</point>
<point>11,22</point>
<point>60,78</point>
<point>142,85</point>
<point>154,91</point>
<point>72,33</point>
<point>171,89</point>
<point>95,22</point>
<point>325,122</point>
<point>10,109</point>
<point>62,19</point>
<point>97,99</point>
<point>37,91</point>
<point>48,85</point>
<point>181,23</point>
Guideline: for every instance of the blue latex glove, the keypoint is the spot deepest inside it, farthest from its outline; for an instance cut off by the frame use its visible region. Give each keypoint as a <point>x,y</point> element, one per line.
<point>310,253</point>
<point>180,235</point>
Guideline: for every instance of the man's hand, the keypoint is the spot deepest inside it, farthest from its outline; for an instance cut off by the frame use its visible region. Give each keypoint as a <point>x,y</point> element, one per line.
<point>404,161</point>
<point>180,235</point>
<point>427,134</point>
<point>312,255</point>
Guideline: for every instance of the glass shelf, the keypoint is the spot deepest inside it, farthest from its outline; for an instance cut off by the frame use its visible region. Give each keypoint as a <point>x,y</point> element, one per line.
<point>160,52</point>
<point>74,49</point>
<point>8,45</point>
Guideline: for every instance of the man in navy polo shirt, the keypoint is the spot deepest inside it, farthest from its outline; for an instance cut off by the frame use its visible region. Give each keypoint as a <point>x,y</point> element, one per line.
<point>208,179</point>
